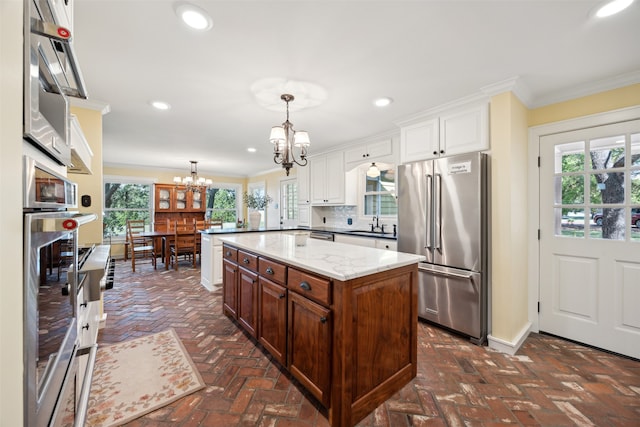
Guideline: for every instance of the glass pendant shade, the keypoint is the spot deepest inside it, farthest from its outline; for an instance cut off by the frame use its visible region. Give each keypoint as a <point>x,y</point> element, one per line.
<point>373,171</point>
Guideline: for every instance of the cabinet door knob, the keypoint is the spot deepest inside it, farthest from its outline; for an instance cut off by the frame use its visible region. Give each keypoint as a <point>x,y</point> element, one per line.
<point>86,327</point>
<point>281,296</point>
<point>229,253</point>
<point>305,286</point>
<point>441,151</point>
<point>435,152</point>
<point>323,319</point>
<point>269,270</point>
<point>246,260</point>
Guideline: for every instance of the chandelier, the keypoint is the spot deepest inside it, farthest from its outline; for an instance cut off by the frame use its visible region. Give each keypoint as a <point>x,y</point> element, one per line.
<point>285,140</point>
<point>193,182</point>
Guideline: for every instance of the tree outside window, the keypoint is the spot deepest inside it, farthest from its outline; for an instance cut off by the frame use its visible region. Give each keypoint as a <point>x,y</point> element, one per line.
<point>222,204</point>
<point>125,201</point>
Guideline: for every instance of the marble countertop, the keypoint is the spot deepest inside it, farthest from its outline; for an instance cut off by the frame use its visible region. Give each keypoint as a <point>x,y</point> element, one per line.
<point>336,260</point>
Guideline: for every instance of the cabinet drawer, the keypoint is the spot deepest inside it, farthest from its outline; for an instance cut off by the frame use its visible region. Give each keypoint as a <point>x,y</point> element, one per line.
<point>312,287</point>
<point>272,270</point>
<point>230,253</point>
<point>248,260</point>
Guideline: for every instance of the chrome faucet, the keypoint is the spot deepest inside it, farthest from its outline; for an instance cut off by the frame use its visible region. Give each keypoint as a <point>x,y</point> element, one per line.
<point>377,225</point>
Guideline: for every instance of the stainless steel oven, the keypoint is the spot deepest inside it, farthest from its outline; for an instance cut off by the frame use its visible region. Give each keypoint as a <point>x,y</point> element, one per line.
<point>51,74</point>
<point>51,330</point>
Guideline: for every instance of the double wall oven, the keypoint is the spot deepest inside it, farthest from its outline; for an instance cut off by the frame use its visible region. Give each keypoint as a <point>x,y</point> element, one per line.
<point>61,317</point>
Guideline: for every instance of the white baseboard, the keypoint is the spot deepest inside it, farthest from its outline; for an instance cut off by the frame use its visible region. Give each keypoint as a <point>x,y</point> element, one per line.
<point>510,347</point>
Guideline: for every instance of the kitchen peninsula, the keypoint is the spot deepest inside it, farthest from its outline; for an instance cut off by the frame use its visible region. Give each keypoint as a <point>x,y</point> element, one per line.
<point>341,318</point>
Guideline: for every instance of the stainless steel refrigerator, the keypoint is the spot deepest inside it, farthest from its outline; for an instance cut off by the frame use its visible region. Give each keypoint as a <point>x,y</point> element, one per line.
<point>443,215</point>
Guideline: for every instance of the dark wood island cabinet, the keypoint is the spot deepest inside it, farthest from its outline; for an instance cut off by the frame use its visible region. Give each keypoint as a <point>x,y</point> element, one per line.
<point>348,333</point>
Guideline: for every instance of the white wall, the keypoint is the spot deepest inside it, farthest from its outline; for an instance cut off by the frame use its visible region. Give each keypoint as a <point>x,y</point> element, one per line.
<point>11,352</point>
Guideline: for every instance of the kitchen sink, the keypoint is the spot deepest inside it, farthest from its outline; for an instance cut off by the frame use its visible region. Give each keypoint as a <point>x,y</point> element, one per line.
<point>369,232</point>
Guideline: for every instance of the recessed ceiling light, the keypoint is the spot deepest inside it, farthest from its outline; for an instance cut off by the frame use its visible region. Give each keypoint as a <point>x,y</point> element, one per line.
<point>613,7</point>
<point>382,102</point>
<point>194,16</point>
<point>251,150</point>
<point>160,105</point>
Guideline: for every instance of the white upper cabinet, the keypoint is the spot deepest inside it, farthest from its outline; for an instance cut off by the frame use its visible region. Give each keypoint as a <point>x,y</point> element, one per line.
<point>465,131</point>
<point>302,176</point>
<point>369,152</point>
<point>327,178</point>
<point>460,131</point>
<point>420,141</point>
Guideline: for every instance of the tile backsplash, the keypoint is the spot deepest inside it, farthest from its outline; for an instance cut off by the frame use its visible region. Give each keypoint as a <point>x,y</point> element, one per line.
<point>338,217</point>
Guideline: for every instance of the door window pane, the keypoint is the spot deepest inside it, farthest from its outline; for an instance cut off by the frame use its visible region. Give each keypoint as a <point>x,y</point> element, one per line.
<point>570,189</point>
<point>569,222</point>
<point>571,157</point>
<point>607,153</point>
<point>610,224</point>
<point>607,188</point>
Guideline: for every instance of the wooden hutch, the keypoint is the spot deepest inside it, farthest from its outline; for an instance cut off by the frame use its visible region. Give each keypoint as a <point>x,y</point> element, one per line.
<point>175,203</point>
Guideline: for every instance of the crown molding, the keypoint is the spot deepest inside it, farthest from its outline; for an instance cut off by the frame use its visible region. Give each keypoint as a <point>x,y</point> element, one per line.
<point>591,88</point>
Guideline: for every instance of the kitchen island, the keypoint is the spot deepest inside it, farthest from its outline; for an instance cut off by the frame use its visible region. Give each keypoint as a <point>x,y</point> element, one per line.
<point>341,318</point>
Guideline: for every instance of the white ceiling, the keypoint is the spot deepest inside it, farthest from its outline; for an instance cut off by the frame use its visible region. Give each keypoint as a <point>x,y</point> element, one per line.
<point>420,53</point>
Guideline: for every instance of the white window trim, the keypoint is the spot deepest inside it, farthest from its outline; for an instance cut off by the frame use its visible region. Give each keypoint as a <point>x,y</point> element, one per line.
<point>361,174</point>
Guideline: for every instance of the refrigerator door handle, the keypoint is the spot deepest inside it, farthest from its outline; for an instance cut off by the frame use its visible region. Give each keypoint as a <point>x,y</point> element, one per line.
<point>437,211</point>
<point>429,210</point>
<point>446,273</point>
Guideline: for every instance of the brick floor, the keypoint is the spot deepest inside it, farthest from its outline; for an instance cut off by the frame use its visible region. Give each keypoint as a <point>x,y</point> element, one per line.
<point>550,382</point>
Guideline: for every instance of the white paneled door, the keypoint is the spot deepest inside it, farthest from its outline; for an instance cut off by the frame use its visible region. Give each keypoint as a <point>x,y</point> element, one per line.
<point>590,236</point>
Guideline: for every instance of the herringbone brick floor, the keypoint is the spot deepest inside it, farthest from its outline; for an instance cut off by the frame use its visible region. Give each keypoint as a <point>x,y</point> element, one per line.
<point>550,382</point>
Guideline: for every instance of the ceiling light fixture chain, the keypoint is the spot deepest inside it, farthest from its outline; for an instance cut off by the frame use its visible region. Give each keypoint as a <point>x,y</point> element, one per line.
<point>285,140</point>
<point>193,182</point>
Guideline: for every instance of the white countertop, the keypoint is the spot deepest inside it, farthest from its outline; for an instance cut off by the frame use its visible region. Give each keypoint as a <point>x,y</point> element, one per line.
<point>336,260</point>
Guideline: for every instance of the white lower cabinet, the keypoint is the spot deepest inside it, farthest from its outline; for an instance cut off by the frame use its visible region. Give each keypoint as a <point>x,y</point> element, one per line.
<point>210,261</point>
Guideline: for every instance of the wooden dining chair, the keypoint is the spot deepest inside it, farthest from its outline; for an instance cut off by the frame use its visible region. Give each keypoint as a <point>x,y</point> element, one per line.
<point>141,247</point>
<point>184,243</point>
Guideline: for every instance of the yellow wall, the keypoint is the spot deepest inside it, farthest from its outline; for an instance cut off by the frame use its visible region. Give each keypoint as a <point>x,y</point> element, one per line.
<point>91,124</point>
<point>605,101</point>
<point>508,162</point>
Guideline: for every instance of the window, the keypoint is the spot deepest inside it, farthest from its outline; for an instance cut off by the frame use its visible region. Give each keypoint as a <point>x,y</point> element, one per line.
<point>289,202</point>
<point>380,192</point>
<point>125,199</point>
<point>597,188</point>
<point>223,204</point>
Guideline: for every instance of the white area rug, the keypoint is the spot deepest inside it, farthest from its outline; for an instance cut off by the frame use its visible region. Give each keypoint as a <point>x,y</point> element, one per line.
<point>136,377</point>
